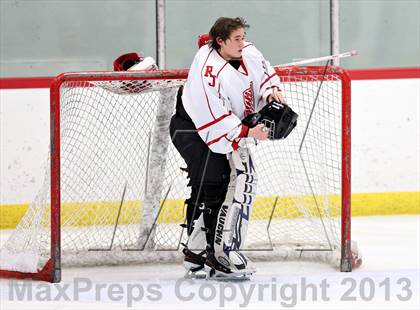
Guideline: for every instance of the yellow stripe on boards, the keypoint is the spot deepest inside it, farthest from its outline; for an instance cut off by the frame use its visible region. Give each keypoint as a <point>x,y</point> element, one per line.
<point>105,213</point>
<point>385,203</point>
<point>10,215</point>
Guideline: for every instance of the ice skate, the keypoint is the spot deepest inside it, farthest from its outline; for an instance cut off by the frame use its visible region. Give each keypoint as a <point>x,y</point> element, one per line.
<point>194,253</point>
<point>194,264</point>
<point>240,270</point>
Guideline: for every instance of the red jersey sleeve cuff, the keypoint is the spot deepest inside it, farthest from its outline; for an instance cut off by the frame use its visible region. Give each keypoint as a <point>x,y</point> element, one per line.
<point>242,134</point>
<point>244,131</point>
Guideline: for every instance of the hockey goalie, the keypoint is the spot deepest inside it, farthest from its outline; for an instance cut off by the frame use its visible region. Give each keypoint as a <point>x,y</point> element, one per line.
<point>232,97</point>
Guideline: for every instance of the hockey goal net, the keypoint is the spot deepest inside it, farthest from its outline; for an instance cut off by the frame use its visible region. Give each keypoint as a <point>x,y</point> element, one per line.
<point>114,191</point>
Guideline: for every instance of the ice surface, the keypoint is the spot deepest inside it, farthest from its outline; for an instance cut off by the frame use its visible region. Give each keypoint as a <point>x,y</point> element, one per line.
<point>391,252</point>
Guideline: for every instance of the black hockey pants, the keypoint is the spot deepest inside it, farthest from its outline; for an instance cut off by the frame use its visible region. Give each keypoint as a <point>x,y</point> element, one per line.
<point>208,172</point>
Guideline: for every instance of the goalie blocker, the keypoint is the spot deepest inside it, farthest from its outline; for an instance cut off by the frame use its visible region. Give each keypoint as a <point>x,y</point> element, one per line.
<point>278,117</point>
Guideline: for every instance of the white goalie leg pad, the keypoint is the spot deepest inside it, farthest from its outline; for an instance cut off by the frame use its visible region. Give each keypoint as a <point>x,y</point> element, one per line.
<point>195,250</point>
<point>234,215</point>
<point>197,240</point>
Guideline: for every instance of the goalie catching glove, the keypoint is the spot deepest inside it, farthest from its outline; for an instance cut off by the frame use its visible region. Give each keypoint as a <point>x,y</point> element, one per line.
<point>279,118</point>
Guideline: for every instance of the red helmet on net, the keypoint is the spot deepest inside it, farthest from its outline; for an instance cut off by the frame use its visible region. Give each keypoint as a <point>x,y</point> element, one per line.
<point>203,39</point>
<point>126,61</point>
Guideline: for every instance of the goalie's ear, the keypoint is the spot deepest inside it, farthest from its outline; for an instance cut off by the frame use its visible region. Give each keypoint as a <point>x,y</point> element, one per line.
<point>126,61</point>
<point>203,39</point>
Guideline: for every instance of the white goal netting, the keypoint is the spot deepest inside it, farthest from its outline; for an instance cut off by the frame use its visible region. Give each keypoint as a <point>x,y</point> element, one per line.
<point>121,176</point>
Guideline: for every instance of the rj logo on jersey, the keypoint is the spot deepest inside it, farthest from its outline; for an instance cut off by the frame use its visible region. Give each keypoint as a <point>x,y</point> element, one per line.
<point>209,73</point>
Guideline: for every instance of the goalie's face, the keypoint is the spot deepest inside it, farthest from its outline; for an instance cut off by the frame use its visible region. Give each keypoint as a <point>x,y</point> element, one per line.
<point>232,47</point>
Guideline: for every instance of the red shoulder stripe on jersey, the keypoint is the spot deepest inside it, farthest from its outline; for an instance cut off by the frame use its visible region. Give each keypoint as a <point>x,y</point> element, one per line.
<point>262,84</point>
<point>247,45</point>
<point>214,121</point>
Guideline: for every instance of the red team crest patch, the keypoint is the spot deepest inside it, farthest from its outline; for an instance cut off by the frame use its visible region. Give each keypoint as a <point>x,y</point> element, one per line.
<point>248,96</point>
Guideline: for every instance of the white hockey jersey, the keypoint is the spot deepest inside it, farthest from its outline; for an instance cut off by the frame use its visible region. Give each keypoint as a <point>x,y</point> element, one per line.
<point>217,96</point>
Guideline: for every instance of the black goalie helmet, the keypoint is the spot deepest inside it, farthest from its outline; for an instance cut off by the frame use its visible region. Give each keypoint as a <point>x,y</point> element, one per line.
<point>278,117</point>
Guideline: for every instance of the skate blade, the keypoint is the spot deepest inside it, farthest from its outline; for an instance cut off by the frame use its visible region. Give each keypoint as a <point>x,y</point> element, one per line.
<point>213,274</point>
<point>200,274</point>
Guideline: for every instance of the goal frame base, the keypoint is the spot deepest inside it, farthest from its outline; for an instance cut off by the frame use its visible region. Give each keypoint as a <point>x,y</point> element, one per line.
<point>47,273</point>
